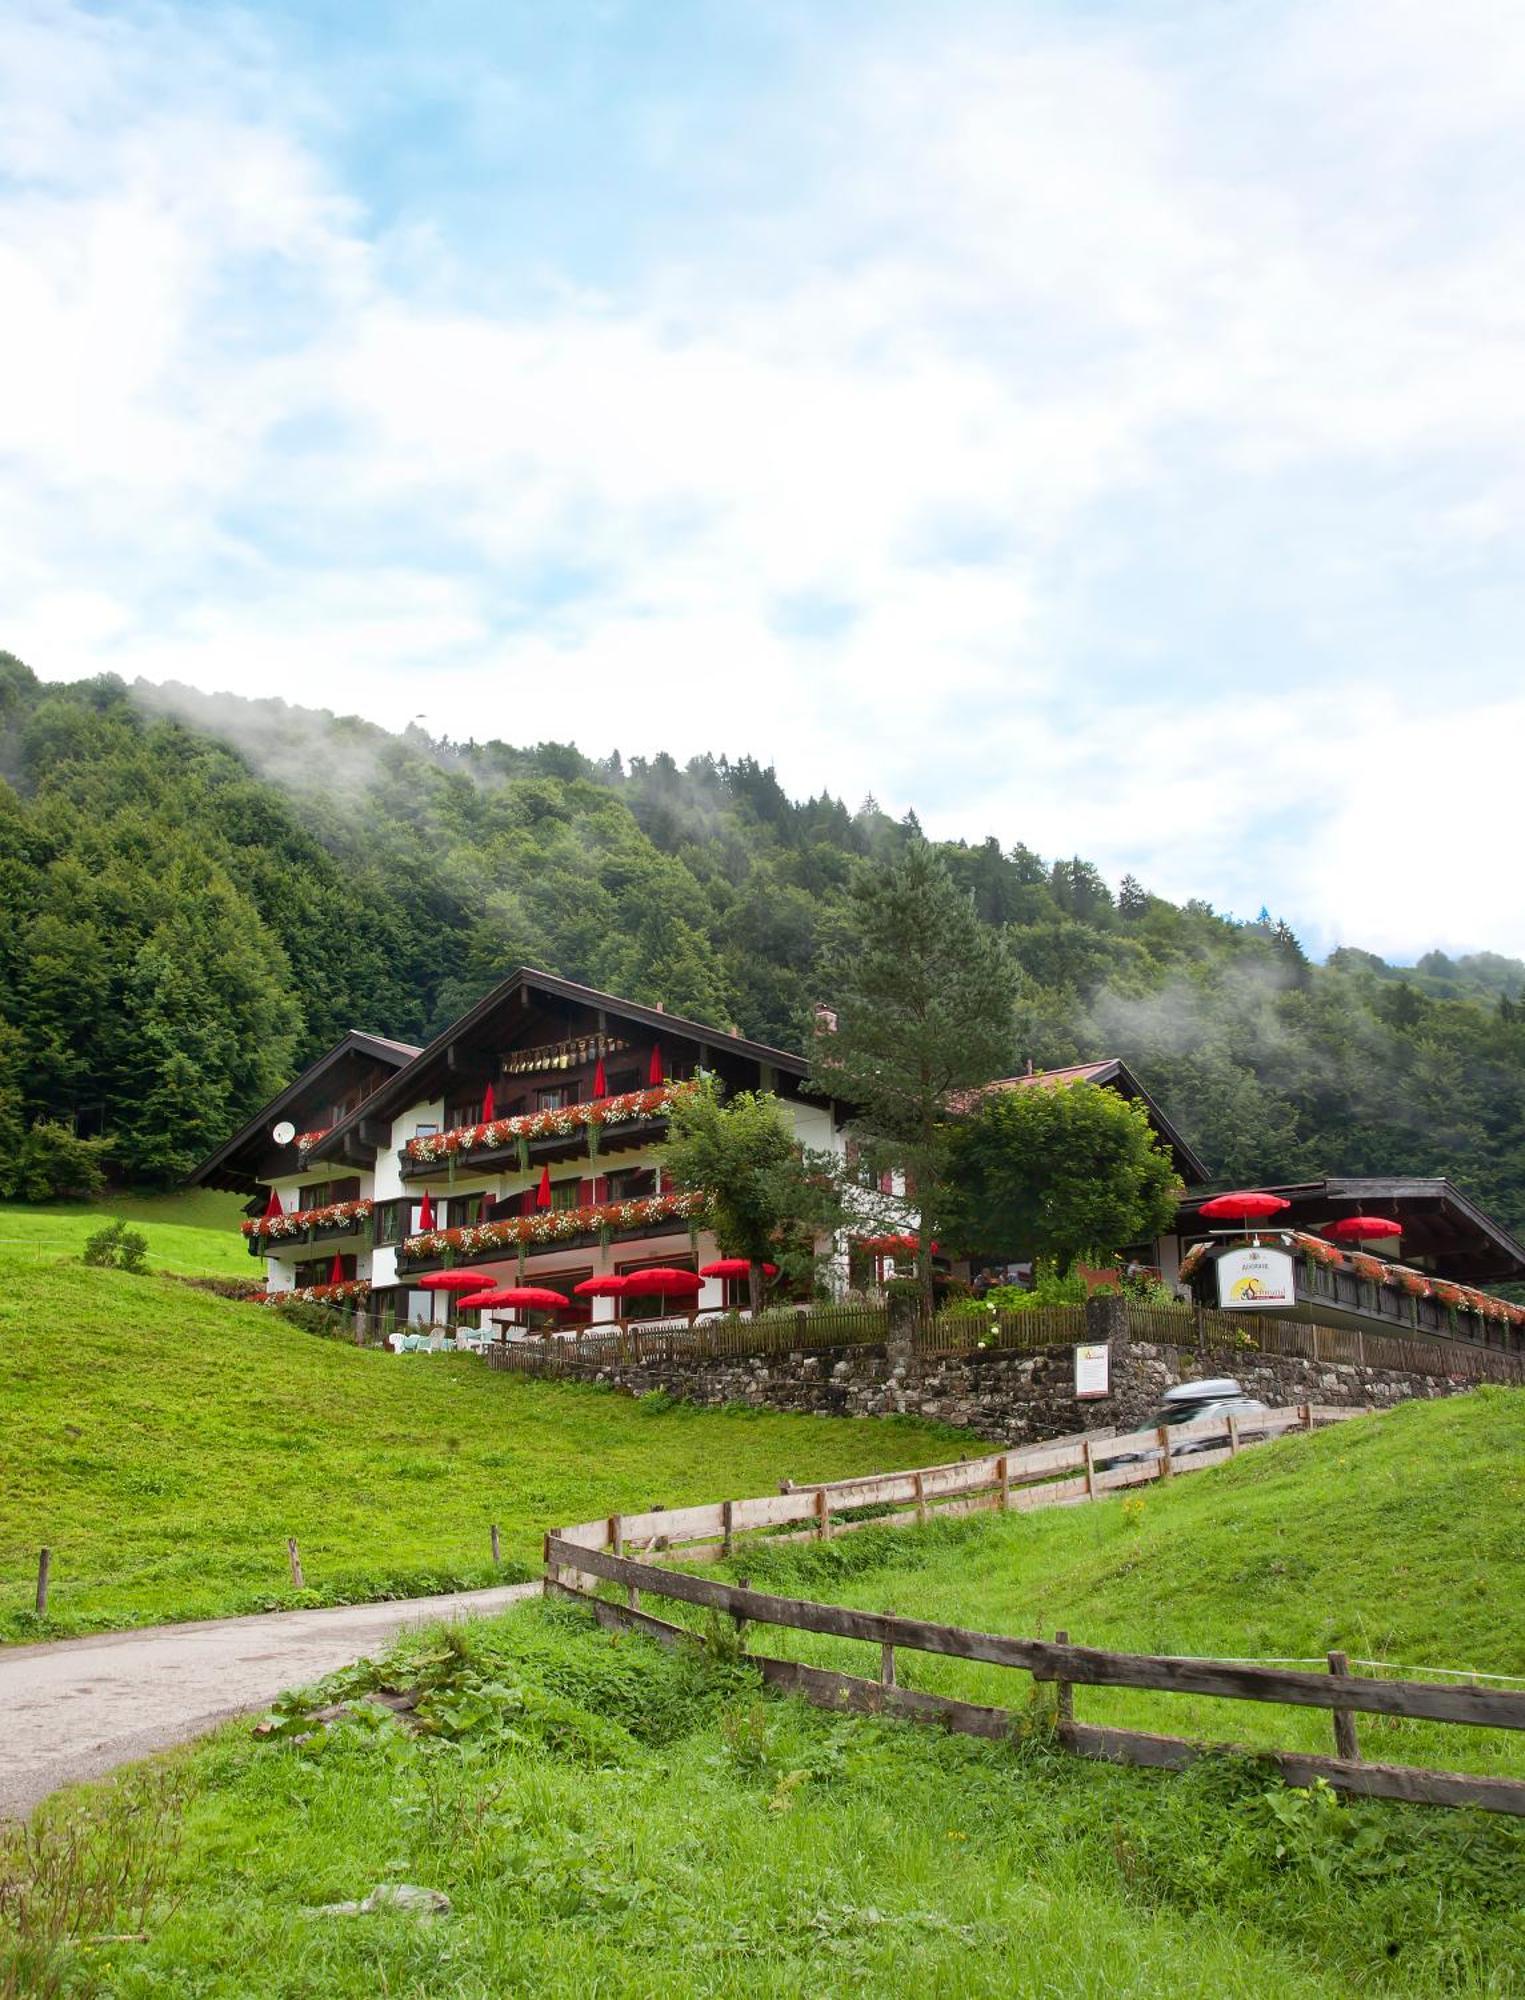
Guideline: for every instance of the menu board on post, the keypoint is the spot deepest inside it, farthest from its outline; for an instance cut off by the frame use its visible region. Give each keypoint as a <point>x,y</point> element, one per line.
<point>1093,1372</point>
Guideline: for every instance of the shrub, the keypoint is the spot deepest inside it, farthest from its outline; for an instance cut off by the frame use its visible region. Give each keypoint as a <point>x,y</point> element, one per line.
<point>116,1247</point>
<point>52,1164</point>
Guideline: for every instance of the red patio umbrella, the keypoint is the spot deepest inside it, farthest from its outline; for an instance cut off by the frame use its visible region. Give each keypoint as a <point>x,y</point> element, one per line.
<point>1362,1228</point>
<point>475,1301</point>
<point>607,1287</point>
<point>273,1206</point>
<point>336,1270</point>
<point>489,1106</point>
<point>661,1281</point>
<point>654,1071</point>
<point>450,1281</point>
<point>426,1211</point>
<point>734,1267</point>
<point>1243,1204</point>
<point>543,1192</point>
<point>600,1081</point>
<point>532,1298</point>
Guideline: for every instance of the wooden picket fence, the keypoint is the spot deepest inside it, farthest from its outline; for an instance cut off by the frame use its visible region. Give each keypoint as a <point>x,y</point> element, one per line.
<point>1059,1473</point>
<point>811,1330</point>
<point>579,1559</point>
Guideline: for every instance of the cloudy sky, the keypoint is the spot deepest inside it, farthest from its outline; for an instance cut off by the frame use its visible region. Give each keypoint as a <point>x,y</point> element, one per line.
<point>1101,425</point>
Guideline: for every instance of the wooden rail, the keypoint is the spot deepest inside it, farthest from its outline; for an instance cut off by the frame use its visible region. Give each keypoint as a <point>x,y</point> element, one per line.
<point>1065,1472</point>
<point>1066,1666</point>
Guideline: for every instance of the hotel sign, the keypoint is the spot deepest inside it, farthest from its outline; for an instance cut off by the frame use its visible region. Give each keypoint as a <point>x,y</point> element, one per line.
<point>1093,1372</point>
<point>1256,1278</point>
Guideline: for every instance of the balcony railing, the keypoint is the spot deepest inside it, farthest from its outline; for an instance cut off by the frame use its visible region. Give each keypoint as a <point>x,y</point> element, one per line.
<point>549,1228</point>
<point>515,1141</point>
<point>1392,1296</point>
<point>307,1225</point>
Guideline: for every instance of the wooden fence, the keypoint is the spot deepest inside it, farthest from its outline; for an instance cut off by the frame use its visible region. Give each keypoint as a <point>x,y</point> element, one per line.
<point>1066,1666</point>
<point>1060,1473</point>
<point>812,1330</point>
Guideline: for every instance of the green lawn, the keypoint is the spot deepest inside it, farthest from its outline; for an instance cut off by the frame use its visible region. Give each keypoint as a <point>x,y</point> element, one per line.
<point>164,1442</point>
<point>1393,1538</point>
<point>195,1233</point>
<point>612,1820</point>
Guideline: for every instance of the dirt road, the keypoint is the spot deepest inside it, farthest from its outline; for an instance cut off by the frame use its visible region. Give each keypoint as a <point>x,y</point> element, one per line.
<point>77,1708</point>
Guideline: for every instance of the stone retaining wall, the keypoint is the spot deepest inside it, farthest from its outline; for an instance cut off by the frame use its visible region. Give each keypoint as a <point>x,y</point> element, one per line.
<point>1007,1396</point>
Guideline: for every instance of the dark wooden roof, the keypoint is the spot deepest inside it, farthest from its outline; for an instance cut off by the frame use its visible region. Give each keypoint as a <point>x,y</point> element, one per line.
<point>225,1168</point>
<point>432,1067</point>
<point>1443,1229</point>
<point>1112,1073</point>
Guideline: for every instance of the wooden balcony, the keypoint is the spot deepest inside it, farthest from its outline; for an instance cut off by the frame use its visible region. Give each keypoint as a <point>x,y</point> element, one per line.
<point>624,1138</point>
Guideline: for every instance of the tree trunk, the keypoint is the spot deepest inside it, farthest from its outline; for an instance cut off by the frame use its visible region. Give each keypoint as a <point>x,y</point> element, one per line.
<point>754,1286</point>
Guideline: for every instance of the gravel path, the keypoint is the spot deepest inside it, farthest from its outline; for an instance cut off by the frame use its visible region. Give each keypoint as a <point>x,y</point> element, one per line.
<point>76,1708</point>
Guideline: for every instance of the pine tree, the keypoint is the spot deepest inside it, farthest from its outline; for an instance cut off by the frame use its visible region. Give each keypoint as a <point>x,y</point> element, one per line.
<point>924,996</point>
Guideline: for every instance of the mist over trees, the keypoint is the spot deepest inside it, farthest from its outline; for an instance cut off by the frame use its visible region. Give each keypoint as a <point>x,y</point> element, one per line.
<point>199,894</point>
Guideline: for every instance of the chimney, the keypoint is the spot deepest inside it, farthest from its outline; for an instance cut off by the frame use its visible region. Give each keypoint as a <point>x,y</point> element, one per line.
<point>1029,1065</point>
<point>825,1019</point>
<point>657,1007</point>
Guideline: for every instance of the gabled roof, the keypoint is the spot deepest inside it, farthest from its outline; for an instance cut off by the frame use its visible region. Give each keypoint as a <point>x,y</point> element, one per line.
<point>413,1080</point>
<point>1110,1072</point>
<point>355,1042</point>
<point>1440,1223</point>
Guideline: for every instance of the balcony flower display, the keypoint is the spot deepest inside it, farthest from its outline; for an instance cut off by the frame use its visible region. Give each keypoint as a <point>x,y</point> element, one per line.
<point>1377,1271</point>
<point>902,1245</point>
<point>554,1225</point>
<point>353,1291</point>
<point>275,1227</point>
<point>562,1123</point>
<point>305,1141</point>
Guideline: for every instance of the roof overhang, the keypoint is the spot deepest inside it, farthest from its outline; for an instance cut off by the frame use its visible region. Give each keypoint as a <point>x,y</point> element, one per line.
<point>1443,1228</point>
<point>221,1168</point>
<point>427,1075</point>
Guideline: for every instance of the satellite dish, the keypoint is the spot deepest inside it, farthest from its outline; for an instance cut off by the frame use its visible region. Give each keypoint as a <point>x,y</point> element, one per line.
<point>284,1133</point>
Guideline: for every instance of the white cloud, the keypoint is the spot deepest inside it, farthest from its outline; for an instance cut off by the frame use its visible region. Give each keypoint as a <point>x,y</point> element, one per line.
<point>1071,366</point>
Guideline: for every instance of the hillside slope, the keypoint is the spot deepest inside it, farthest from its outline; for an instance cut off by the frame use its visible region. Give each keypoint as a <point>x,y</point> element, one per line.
<point>1393,1538</point>
<point>611,1818</point>
<point>197,896</point>
<point>164,1443</point>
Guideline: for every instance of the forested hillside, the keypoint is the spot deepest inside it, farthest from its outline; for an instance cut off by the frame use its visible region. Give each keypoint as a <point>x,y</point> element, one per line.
<point>197,894</point>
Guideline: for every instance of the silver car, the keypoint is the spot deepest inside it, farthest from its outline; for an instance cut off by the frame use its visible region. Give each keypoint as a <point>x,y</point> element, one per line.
<point>1221,1396</point>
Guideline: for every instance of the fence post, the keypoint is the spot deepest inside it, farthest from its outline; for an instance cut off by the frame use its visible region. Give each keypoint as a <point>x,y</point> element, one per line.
<point>887,1666</point>
<point>921,1501</point>
<point>1003,1474</point>
<point>293,1555</point>
<point>497,1553</point>
<point>1163,1434</point>
<point>1233,1436</point>
<point>1345,1744</point>
<point>727,1527</point>
<point>822,1514</point>
<point>1090,1469</point>
<point>616,1534</point>
<point>44,1567</point>
<point>1307,1414</point>
<point>1064,1692</point>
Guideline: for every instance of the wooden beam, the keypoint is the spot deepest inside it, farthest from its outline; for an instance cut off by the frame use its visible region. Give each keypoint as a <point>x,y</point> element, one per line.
<point>1086,1666</point>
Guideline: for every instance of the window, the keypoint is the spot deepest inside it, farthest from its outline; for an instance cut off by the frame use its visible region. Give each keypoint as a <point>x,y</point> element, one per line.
<point>622,1081</point>
<point>425,1131</point>
<point>632,1184</point>
<point>392,1221</point>
<point>565,1194</point>
<point>556,1096</point>
<point>464,1211</point>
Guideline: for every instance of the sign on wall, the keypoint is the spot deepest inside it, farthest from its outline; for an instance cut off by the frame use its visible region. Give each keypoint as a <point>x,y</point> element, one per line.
<point>1256,1278</point>
<point>1093,1372</point>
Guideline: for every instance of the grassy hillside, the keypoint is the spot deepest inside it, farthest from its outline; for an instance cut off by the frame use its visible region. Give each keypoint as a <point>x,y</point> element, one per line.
<point>1392,1538</point>
<point>164,1443</point>
<point>195,1233</point>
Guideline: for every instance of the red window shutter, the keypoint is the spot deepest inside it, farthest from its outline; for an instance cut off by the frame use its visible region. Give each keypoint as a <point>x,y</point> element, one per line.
<point>601,1188</point>
<point>585,1193</point>
<point>887,1182</point>
<point>527,1202</point>
<point>664,1182</point>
